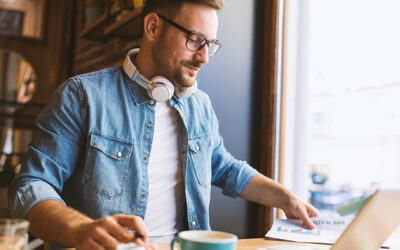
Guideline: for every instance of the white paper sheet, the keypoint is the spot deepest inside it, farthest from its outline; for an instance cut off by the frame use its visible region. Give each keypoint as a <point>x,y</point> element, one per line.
<point>327,231</point>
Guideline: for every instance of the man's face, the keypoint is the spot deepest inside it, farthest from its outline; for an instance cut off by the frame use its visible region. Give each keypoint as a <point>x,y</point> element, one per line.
<point>170,54</point>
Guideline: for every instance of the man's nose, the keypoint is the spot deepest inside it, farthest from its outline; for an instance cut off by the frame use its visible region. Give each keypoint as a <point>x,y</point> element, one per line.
<point>202,55</point>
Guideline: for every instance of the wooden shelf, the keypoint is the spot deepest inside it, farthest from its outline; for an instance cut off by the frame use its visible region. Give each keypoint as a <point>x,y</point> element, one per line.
<point>96,29</point>
<point>129,26</point>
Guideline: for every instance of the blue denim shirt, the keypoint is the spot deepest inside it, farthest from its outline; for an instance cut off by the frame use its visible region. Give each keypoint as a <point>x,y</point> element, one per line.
<point>92,146</point>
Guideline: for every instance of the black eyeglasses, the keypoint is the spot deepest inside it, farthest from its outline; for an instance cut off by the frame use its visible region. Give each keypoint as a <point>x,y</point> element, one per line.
<point>195,41</point>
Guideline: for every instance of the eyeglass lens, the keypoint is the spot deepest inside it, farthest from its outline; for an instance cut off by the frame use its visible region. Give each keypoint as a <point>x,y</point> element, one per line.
<point>196,42</point>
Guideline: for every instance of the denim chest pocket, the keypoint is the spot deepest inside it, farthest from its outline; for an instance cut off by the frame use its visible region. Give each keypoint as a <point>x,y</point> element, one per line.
<point>200,150</point>
<point>107,165</point>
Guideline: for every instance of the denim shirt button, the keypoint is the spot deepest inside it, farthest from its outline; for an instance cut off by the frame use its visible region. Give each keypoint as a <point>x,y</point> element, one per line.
<point>151,102</point>
<point>119,154</point>
<point>145,158</point>
<point>150,122</point>
<point>144,195</point>
<point>193,223</point>
<point>197,148</point>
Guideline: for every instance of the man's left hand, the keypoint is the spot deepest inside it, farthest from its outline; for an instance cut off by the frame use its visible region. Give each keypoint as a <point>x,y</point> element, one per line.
<point>265,191</point>
<point>297,209</point>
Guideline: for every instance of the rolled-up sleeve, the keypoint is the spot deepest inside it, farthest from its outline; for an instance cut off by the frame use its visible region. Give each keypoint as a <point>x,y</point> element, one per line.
<point>53,153</point>
<point>28,195</point>
<point>228,173</point>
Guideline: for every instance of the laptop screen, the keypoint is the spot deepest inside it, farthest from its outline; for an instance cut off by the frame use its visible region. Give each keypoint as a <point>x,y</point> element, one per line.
<point>376,220</point>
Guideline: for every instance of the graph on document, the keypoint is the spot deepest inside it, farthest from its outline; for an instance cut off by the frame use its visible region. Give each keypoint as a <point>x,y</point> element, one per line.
<point>299,231</point>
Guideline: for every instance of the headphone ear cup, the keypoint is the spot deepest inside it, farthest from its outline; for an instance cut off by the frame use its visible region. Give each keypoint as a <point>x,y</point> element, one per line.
<point>161,90</point>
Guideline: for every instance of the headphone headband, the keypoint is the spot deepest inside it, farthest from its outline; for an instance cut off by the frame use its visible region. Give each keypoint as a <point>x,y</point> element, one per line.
<point>131,70</point>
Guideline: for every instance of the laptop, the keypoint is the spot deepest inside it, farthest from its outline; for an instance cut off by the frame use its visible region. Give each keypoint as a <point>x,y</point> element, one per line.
<point>375,222</point>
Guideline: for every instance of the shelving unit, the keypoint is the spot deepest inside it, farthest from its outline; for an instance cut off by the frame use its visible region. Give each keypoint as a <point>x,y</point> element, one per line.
<point>96,29</point>
<point>127,27</point>
<point>108,26</point>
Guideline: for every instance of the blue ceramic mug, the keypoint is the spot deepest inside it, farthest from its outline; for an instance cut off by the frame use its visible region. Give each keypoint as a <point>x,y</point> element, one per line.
<point>205,240</point>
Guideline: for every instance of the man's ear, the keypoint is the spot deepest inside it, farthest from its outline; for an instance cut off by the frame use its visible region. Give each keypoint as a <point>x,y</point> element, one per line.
<point>152,26</point>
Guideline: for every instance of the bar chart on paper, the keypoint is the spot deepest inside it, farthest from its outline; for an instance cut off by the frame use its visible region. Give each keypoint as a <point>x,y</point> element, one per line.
<point>299,231</point>
<point>327,230</point>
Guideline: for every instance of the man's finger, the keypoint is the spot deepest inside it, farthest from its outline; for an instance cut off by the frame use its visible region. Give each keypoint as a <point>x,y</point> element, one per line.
<point>148,246</point>
<point>133,222</point>
<point>306,212</point>
<point>90,244</point>
<point>104,238</point>
<point>308,222</point>
<point>304,216</point>
<point>119,232</point>
<point>312,211</point>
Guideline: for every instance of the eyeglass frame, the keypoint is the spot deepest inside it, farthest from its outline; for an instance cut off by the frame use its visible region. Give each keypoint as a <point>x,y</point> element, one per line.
<point>189,33</point>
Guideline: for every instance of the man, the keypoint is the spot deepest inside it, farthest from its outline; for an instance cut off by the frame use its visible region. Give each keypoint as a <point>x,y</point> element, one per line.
<point>113,147</point>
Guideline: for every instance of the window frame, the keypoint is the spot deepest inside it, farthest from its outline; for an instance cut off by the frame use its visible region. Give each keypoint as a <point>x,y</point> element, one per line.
<point>269,93</point>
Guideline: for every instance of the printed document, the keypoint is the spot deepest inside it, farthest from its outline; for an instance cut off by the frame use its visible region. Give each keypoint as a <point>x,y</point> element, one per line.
<point>327,231</point>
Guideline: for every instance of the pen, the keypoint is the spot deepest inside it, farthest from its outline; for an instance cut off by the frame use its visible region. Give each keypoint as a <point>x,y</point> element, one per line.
<point>139,235</point>
<point>131,245</point>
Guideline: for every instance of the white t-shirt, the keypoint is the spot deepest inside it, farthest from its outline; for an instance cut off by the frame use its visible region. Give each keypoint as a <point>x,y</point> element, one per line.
<point>164,213</point>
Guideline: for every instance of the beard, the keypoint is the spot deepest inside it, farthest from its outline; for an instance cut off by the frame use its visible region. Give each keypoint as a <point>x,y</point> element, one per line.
<point>170,68</point>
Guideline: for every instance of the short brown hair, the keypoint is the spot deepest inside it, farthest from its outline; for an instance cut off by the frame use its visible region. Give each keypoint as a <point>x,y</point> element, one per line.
<point>171,8</point>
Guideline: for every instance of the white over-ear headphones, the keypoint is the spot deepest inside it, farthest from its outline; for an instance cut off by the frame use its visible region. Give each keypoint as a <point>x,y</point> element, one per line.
<point>159,88</point>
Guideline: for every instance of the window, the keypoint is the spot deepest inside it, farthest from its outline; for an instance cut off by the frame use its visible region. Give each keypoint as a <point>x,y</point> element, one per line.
<point>342,99</point>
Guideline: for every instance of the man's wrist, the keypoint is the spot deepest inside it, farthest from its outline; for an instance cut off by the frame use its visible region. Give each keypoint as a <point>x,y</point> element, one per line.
<point>73,227</point>
<point>287,197</point>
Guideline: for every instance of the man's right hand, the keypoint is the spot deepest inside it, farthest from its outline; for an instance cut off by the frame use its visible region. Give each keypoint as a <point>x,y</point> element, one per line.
<point>56,223</point>
<point>108,232</point>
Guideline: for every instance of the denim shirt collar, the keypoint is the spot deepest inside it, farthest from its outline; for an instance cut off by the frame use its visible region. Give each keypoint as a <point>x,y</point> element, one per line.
<point>138,93</point>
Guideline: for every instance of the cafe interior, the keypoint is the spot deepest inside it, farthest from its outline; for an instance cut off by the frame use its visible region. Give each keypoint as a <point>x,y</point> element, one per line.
<point>44,42</point>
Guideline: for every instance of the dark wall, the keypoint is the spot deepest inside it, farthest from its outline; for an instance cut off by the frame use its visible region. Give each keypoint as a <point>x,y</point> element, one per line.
<point>228,78</point>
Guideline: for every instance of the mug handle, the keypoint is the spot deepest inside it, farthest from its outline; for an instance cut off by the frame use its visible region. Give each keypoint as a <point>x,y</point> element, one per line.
<point>176,239</point>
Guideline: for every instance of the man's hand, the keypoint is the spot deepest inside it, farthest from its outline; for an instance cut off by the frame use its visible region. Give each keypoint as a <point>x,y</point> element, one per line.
<point>295,208</point>
<point>57,223</point>
<point>265,191</point>
<point>108,232</point>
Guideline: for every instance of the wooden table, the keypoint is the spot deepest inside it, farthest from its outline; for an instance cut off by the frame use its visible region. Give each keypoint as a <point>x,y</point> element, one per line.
<point>252,244</point>
<point>243,244</point>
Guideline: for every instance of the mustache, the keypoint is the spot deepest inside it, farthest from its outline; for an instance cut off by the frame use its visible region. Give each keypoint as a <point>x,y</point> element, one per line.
<point>192,64</point>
